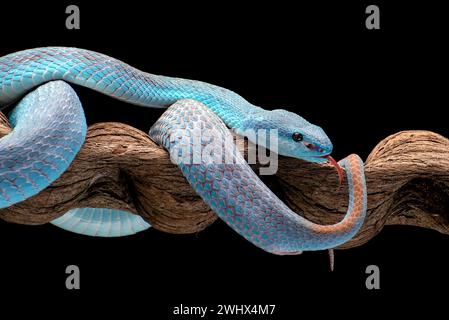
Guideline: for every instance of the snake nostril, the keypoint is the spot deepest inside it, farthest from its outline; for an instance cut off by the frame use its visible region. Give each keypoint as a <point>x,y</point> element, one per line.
<point>313,147</point>
<point>309,146</point>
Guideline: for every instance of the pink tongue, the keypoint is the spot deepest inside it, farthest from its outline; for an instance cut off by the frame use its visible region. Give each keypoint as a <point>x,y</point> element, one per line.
<point>337,167</point>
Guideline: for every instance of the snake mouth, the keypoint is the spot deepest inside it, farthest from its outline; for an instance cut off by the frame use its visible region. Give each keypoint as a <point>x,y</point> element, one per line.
<point>337,167</point>
<point>331,160</point>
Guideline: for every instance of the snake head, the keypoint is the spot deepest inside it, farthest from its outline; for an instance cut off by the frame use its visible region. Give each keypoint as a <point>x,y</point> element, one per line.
<point>296,137</point>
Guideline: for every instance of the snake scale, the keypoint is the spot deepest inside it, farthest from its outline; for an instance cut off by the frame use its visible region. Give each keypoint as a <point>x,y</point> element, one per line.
<point>49,129</point>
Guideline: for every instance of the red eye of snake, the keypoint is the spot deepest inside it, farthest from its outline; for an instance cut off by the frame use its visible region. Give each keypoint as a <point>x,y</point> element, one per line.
<point>297,137</point>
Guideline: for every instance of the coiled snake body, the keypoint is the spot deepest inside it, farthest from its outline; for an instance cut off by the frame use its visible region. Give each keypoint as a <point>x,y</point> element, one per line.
<point>49,130</point>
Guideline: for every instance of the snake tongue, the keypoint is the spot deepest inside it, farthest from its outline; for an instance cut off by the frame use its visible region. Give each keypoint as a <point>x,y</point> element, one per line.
<point>337,167</point>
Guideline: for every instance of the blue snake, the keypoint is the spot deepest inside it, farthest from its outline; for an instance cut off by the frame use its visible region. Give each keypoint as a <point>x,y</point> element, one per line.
<point>49,129</point>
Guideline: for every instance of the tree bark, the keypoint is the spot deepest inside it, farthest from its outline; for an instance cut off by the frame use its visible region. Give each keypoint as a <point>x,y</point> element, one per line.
<point>407,177</point>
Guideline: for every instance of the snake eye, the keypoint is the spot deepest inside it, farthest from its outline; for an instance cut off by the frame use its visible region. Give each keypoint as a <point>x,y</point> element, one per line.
<point>297,137</point>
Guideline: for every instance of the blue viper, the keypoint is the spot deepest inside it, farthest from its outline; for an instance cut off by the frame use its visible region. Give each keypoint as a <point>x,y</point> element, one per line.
<point>50,128</point>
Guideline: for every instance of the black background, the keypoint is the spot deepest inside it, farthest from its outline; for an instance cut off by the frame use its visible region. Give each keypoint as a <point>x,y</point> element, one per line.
<point>315,58</point>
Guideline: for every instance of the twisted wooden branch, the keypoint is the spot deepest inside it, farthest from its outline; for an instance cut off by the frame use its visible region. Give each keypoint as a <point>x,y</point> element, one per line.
<point>120,167</point>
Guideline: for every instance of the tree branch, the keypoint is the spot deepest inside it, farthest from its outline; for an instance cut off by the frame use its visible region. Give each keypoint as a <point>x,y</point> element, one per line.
<point>120,167</point>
